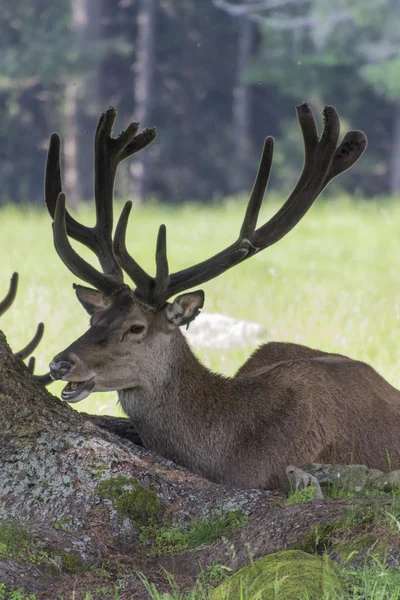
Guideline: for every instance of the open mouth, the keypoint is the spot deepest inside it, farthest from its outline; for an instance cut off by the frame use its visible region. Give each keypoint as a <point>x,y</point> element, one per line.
<point>75,391</point>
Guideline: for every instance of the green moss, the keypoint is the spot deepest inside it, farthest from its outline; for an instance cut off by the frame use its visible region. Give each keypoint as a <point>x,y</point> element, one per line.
<point>14,540</point>
<point>318,539</point>
<point>71,563</point>
<point>7,593</point>
<point>102,573</point>
<point>132,500</point>
<point>176,538</point>
<point>99,470</point>
<point>213,526</point>
<point>164,540</point>
<point>289,575</point>
<point>64,524</point>
<point>367,545</point>
<point>216,573</point>
<point>345,539</point>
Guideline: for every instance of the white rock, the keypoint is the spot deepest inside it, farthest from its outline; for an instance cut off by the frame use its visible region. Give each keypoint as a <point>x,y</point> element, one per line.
<point>213,330</point>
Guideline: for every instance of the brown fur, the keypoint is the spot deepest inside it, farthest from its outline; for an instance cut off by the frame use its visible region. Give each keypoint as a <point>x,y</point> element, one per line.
<point>287,404</point>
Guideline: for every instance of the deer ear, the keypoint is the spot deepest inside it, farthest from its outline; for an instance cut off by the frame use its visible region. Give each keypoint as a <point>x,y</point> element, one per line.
<point>91,300</point>
<point>185,308</point>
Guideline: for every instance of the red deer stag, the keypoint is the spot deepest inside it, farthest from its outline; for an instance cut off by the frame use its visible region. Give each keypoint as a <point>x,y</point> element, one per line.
<point>294,406</point>
<point>25,352</point>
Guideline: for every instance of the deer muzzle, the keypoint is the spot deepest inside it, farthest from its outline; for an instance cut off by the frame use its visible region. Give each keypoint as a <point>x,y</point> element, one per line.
<point>59,370</point>
<point>74,391</point>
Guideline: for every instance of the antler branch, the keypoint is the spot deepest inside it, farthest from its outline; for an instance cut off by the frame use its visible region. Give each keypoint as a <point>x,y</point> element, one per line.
<point>10,297</point>
<point>109,152</point>
<point>29,348</point>
<point>323,161</point>
<point>35,341</point>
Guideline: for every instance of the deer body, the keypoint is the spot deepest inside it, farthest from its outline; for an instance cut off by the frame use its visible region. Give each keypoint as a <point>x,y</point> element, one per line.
<point>287,405</point>
<point>245,430</point>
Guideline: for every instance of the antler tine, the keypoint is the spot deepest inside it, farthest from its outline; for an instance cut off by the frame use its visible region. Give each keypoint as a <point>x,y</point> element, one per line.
<point>151,289</point>
<point>44,379</point>
<point>156,291</point>
<point>351,148</point>
<point>323,161</point>
<point>317,161</point>
<point>142,280</point>
<point>109,152</point>
<point>139,142</point>
<point>10,297</point>
<point>29,348</point>
<point>52,189</point>
<point>162,271</point>
<point>258,191</point>
<point>309,130</point>
<point>77,265</point>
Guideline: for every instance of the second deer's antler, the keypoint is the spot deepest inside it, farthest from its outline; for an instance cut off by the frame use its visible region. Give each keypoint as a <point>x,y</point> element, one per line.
<point>29,348</point>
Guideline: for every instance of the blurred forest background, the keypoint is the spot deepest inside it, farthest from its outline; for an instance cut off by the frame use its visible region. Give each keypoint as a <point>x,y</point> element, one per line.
<point>214,76</point>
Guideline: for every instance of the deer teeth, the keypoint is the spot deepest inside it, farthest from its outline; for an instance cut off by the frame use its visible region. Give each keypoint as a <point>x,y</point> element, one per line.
<point>75,391</point>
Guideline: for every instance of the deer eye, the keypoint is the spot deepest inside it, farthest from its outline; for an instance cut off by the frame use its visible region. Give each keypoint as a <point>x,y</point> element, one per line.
<point>136,329</point>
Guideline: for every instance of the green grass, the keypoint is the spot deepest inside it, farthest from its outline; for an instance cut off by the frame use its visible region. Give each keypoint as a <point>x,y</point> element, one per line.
<point>372,582</point>
<point>7,593</point>
<point>176,538</point>
<point>303,495</point>
<point>332,283</point>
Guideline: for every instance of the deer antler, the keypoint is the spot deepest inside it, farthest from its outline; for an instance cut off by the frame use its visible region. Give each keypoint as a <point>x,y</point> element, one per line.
<point>323,161</point>
<point>109,152</point>
<point>29,348</point>
<point>10,297</point>
<point>44,379</point>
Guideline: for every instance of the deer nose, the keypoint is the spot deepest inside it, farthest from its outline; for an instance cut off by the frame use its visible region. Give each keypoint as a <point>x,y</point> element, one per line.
<point>58,369</point>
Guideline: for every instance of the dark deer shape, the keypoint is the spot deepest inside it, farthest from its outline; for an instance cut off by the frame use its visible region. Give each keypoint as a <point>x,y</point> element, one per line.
<point>288,404</point>
<point>35,341</point>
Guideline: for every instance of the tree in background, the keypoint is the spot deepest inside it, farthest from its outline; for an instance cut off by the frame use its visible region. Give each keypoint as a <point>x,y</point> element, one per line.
<point>36,55</point>
<point>215,77</point>
<point>345,53</point>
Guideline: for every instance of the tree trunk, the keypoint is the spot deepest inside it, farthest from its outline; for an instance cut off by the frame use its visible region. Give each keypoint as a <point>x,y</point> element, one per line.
<point>241,109</point>
<point>71,127</point>
<point>71,180</point>
<point>143,68</point>
<point>395,154</point>
<point>78,153</point>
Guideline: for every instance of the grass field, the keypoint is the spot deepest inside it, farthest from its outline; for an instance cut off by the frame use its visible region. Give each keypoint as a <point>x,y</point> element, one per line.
<point>332,283</point>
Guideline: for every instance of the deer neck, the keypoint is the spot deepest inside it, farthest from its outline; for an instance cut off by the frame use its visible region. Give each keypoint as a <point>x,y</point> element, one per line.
<point>177,396</point>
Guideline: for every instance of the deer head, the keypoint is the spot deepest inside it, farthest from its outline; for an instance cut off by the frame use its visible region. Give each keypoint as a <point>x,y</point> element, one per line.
<point>134,332</point>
